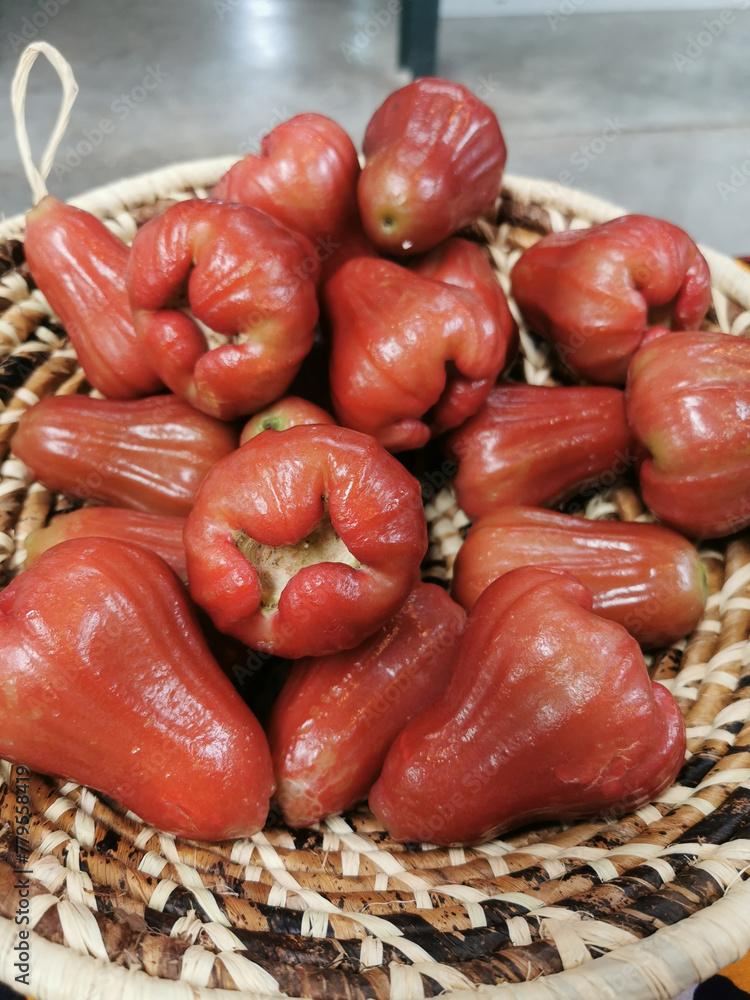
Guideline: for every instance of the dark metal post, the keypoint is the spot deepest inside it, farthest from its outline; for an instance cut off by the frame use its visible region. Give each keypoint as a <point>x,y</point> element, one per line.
<point>418,38</point>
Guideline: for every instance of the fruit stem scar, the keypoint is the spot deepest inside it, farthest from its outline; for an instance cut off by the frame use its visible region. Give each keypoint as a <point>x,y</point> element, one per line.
<point>277,564</point>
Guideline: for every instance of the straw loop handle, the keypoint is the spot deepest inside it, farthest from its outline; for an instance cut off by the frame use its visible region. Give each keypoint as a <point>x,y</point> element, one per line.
<point>37,176</point>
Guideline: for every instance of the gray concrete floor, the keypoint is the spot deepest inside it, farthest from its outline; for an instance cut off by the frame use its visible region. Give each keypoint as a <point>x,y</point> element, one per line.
<point>647,110</point>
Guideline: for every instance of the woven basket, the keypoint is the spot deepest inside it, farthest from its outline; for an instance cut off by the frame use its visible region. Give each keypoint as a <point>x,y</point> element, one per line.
<point>637,908</point>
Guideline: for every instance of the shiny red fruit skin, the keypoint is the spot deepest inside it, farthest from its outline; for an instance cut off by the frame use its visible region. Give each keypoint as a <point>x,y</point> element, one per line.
<point>688,403</point>
<point>405,343</point>
<point>646,577</point>
<point>147,454</point>
<point>105,679</point>
<point>160,533</point>
<point>538,445</point>
<point>249,279</point>
<point>435,157</point>
<point>594,293</point>
<point>79,265</point>
<point>290,411</point>
<point>465,264</point>
<point>336,716</point>
<point>550,714</point>
<point>305,541</point>
<point>305,177</point>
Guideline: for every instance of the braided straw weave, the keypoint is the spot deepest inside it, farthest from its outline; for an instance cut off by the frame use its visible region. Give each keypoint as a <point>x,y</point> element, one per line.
<point>636,908</point>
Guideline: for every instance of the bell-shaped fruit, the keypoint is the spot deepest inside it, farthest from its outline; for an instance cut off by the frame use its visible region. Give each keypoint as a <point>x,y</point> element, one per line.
<point>336,716</point>
<point>435,157</point>
<point>415,351</point>
<point>147,454</point>
<point>550,714</point>
<point>251,286</point>
<point>688,402</point>
<point>594,293</point>
<point>158,532</point>
<point>106,679</point>
<point>644,576</point>
<point>533,444</point>
<point>305,541</point>
<point>80,266</point>
<point>306,177</point>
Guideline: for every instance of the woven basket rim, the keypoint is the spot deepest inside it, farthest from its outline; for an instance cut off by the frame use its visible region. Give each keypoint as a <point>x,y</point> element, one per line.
<point>726,274</point>
<point>695,948</point>
<point>140,189</point>
<point>145,188</point>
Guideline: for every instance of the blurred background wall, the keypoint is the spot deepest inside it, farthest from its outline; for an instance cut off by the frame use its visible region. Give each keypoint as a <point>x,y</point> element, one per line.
<point>646,107</point>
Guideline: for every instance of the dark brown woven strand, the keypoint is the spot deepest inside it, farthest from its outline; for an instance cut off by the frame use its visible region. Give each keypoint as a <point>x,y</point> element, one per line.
<point>479,915</point>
